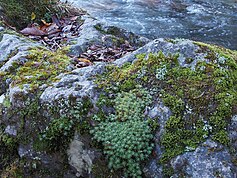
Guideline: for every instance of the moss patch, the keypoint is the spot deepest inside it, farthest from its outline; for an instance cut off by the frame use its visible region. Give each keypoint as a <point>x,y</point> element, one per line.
<point>42,67</point>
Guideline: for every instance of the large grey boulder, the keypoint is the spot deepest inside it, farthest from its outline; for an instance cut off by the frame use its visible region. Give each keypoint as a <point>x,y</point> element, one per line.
<point>200,162</point>
<point>25,112</point>
<point>80,157</point>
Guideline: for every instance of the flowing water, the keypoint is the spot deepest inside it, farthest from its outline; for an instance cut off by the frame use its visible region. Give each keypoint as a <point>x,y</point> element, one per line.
<point>213,21</point>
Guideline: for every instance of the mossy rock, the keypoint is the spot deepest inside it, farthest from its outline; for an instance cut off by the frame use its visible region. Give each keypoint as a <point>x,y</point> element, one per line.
<point>42,67</point>
<point>201,93</point>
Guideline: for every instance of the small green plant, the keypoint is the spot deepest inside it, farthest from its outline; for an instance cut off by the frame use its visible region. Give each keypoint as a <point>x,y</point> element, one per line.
<point>161,72</point>
<point>68,116</point>
<point>126,144</point>
<point>58,134</point>
<point>126,136</point>
<point>9,142</point>
<point>174,103</point>
<point>8,149</point>
<point>127,103</point>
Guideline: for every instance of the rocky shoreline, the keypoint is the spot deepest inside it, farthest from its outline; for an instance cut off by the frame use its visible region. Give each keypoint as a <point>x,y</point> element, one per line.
<point>54,116</point>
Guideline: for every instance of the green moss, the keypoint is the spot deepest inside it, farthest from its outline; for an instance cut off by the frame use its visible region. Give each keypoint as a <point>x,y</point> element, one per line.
<point>153,123</point>
<point>179,138</point>
<point>6,102</point>
<point>222,137</point>
<point>14,170</point>
<point>128,77</point>
<point>79,108</point>
<point>189,60</point>
<point>58,134</point>
<point>99,28</point>
<point>176,104</point>
<point>79,114</point>
<point>8,149</point>
<point>67,116</point>
<point>42,67</point>
<point>115,31</point>
<point>218,51</point>
<point>104,102</point>
<point>101,170</point>
<point>167,171</point>
<point>27,114</point>
<point>199,98</point>
<point>8,141</point>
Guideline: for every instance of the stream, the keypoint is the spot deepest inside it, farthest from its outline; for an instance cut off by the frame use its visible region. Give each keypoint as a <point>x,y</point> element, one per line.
<point>212,21</point>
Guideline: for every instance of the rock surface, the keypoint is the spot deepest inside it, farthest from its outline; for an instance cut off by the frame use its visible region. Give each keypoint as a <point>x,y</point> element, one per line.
<point>210,156</point>
<point>50,113</point>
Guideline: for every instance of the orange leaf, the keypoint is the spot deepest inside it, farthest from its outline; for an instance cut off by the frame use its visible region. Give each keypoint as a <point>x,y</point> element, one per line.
<point>45,23</point>
<point>84,60</point>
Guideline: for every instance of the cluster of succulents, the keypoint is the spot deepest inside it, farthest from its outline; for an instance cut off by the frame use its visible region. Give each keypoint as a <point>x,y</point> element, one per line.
<point>126,136</point>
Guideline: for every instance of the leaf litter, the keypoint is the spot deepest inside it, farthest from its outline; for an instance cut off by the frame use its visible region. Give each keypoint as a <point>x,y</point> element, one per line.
<point>59,31</point>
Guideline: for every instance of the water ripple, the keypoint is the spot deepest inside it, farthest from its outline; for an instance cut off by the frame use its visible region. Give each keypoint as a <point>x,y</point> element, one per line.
<point>213,21</point>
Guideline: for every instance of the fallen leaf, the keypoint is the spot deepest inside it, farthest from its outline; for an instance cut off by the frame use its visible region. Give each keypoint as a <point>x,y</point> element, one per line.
<point>45,23</point>
<point>34,31</point>
<point>84,60</point>
<point>43,28</point>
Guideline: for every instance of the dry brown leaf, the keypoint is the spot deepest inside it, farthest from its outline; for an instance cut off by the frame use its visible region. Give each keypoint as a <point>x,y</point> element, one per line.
<point>34,31</point>
<point>84,60</point>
